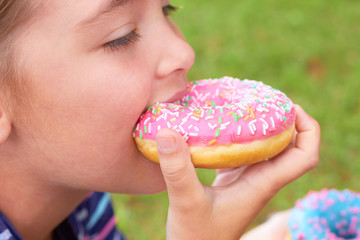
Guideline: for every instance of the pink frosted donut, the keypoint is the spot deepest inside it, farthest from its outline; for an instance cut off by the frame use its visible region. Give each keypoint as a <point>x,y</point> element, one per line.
<point>226,122</point>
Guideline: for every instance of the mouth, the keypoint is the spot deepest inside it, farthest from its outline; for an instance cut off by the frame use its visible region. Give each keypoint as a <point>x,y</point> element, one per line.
<point>176,97</point>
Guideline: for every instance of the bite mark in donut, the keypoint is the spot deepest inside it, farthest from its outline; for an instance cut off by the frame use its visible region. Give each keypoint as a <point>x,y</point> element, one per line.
<point>227,122</point>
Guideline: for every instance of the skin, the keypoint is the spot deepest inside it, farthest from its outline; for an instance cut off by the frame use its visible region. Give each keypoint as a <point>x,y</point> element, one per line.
<point>273,229</point>
<point>75,134</point>
<point>225,209</point>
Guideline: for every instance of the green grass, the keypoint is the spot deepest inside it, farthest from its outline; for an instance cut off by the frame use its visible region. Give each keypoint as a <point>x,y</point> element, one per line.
<point>308,49</point>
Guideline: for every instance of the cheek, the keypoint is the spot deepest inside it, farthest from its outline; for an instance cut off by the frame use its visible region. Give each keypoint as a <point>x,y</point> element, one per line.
<point>94,87</point>
<point>120,95</point>
<point>85,105</point>
<point>90,126</point>
<point>76,107</point>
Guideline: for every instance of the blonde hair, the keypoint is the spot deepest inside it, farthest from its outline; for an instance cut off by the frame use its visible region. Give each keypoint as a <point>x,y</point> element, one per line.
<point>14,14</point>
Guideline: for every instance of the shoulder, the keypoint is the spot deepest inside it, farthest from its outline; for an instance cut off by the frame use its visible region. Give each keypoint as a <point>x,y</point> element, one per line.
<point>95,217</point>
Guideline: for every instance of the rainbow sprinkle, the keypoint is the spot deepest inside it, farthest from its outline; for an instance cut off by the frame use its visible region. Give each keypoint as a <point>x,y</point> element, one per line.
<point>226,110</point>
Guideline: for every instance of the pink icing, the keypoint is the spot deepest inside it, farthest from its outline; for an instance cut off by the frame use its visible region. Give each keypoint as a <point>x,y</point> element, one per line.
<point>220,112</point>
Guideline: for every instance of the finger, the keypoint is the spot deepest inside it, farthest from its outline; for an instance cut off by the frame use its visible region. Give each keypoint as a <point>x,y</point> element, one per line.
<point>269,177</point>
<point>306,127</point>
<point>224,170</point>
<point>305,155</point>
<point>225,176</point>
<point>179,173</point>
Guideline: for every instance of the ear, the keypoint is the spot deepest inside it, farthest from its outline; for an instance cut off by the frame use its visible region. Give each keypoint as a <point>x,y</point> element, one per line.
<point>5,127</point>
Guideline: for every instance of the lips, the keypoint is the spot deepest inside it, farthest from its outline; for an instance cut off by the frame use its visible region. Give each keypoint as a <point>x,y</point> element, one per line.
<point>176,97</point>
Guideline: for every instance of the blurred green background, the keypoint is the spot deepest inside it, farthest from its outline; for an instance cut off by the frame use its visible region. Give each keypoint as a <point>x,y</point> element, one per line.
<point>309,50</point>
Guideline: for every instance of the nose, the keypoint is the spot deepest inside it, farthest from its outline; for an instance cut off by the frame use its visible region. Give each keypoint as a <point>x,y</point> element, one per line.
<point>176,54</point>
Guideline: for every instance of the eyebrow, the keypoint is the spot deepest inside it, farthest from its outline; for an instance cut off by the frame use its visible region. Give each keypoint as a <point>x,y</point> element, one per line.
<point>106,7</point>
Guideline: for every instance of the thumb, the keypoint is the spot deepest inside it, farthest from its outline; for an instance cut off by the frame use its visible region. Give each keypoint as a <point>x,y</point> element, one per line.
<point>176,166</point>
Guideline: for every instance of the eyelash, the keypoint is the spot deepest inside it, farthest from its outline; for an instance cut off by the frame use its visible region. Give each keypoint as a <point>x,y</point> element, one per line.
<point>122,42</point>
<point>168,9</point>
<point>133,36</point>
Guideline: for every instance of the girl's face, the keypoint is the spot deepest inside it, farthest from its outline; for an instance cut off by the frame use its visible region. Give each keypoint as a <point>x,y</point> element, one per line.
<point>93,67</point>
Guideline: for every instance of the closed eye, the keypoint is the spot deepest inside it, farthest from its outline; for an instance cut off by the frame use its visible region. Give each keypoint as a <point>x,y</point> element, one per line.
<point>168,9</point>
<point>122,42</point>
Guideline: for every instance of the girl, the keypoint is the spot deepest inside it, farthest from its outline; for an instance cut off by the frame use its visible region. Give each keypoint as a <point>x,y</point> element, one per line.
<point>75,77</point>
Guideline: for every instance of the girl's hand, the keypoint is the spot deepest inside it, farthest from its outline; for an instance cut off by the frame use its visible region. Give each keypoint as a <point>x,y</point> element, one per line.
<point>225,209</point>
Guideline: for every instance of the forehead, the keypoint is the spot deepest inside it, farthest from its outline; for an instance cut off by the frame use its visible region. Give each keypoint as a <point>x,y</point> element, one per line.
<point>83,10</point>
<point>105,7</point>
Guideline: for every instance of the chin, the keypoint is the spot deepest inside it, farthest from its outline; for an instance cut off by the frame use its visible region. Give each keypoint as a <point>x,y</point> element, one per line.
<point>142,177</point>
<point>152,181</point>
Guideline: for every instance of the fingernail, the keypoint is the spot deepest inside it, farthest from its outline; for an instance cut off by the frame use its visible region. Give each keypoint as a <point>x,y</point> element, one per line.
<point>167,144</point>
